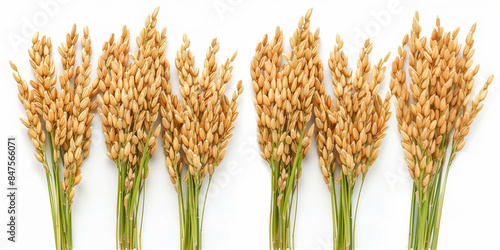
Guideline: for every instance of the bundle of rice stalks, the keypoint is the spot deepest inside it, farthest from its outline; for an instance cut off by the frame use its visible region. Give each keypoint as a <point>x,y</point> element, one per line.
<point>61,116</point>
<point>201,123</point>
<point>349,132</point>
<point>435,120</point>
<point>129,106</point>
<point>283,101</point>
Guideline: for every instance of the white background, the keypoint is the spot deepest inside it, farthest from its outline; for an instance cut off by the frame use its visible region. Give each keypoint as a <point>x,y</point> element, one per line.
<point>238,207</point>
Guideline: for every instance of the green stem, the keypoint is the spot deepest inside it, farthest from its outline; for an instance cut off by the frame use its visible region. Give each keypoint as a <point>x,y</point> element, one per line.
<point>346,213</point>
<point>187,228</point>
<point>181,226</point>
<point>356,214</point>
<point>411,231</point>
<point>142,214</point>
<point>56,195</point>
<point>441,200</point>
<point>118,198</point>
<point>276,214</point>
<point>194,214</point>
<point>340,225</point>
<point>192,232</point>
<point>69,226</point>
<point>283,238</point>
<point>53,209</point>
<point>59,196</point>
<point>132,206</point>
<point>287,219</point>
<point>423,220</point>
<point>123,209</point>
<point>334,209</point>
<point>180,201</point>
<point>289,192</point>
<point>288,189</point>
<point>271,234</point>
<point>67,207</point>
<point>203,211</point>
<point>274,222</point>
<point>436,190</point>
<point>295,217</point>
<point>349,218</point>
<point>143,192</point>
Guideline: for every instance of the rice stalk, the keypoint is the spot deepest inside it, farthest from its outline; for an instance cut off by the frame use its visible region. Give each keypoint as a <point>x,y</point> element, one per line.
<point>349,132</point>
<point>283,101</point>
<point>129,106</point>
<point>201,123</point>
